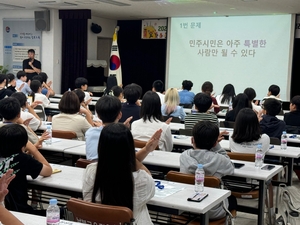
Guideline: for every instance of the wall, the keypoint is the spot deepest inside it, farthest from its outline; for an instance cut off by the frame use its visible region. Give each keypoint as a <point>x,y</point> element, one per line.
<point>51,43</point>
<point>108,27</point>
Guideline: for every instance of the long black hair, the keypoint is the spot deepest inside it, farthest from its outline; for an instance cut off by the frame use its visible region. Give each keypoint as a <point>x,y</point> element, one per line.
<point>151,107</point>
<point>241,101</point>
<point>116,162</point>
<point>228,93</point>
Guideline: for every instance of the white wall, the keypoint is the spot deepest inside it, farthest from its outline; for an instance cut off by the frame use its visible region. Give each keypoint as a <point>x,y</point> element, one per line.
<point>108,28</point>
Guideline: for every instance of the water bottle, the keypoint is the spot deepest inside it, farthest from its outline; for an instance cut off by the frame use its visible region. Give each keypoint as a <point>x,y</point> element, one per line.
<point>49,131</point>
<point>53,213</point>
<point>283,140</point>
<point>199,178</point>
<point>259,155</point>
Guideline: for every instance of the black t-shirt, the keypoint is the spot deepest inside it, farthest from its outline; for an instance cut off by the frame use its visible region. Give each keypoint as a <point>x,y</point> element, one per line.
<point>36,64</point>
<point>129,110</point>
<point>25,165</point>
<point>5,93</point>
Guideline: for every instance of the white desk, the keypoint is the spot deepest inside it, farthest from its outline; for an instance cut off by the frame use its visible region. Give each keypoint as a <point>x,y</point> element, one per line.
<point>187,111</point>
<point>77,150</point>
<point>52,106</point>
<point>60,144</point>
<point>176,126</point>
<point>28,219</point>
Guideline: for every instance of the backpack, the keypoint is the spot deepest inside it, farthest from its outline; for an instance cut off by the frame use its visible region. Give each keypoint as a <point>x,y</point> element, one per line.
<point>289,205</point>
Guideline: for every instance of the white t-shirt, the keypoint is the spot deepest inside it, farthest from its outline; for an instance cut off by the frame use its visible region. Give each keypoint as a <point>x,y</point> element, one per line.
<point>219,99</point>
<point>250,147</point>
<point>162,97</point>
<point>257,108</point>
<point>42,98</point>
<point>34,122</point>
<point>87,96</point>
<point>144,190</point>
<point>143,131</point>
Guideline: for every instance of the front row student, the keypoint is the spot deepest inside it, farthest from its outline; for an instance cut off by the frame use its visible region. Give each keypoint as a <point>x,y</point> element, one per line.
<point>208,152</point>
<point>121,166</point>
<point>25,159</point>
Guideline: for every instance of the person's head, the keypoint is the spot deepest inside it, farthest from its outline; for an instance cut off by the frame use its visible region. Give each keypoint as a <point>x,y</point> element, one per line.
<point>37,77</point>
<point>132,93</point>
<point>111,82</point>
<point>31,53</point>
<point>81,83</point>
<point>158,86</point>
<point>21,75</point>
<point>251,94</point>
<point>69,103</point>
<point>187,85</point>
<point>80,95</point>
<point>202,102</point>
<point>3,80</point>
<point>11,79</point>
<point>10,109</point>
<point>228,93</point>
<point>240,101</point>
<point>43,76</point>
<point>207,87</point>
<point>205,135</point>
<point>116,137</point>
<point>117,91</point>
<point>108,109</point>
<point>246,127</point>
<point>151,106</point>
<point>273,90</point>
<point>171,100</point>
<point>8,136</point>
<point>271,107</point>
<point>21,97</point>
<point>295,103</point>
<point>36,86</point>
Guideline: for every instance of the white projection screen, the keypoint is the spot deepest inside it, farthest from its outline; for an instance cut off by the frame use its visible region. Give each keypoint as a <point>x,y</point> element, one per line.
<point>246,51</point>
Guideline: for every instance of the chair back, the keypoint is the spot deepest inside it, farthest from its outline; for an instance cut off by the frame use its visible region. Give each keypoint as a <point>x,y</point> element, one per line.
<point>95,213</point>
<point>187,132</point>
<point>174,119</point>
<point>241,156</point>
<point>83,163</point>
<point>275,141</point>
<point>64,134</point>
<point>40,111</point>
<point>187,106</point>
<point>228,124</point>
<point>209,181</point>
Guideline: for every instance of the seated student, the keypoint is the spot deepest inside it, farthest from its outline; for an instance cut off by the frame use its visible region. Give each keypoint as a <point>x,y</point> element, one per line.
<point>186,96</point>
<point>227,96</point>
<point>251,94</point>
<point>6,217</point>
<point>32,164</point>
<point>273,92</point>
<point>11,82</point>
<point>117,91</point>
<point>111,82</point>
<point>158,87</point>
<point>203,103</point>
<point>143,128</point>
<point>132,107</point>
<point>83,106</point>
<point>4,92</point>
<point>171,106</point>
<point>208,152</point>
<point>269,123</point>
<point>69,119</point>
<point>207,88</point>
<point>246,134</point>
<point>27,112</point>
<point>240,101</point>
<point>36,87</point>
<point>21,83</point>
<point>293,117</point>
<point>10,111</point>
<point>137,184</point>
<point>82,83</point>
<point>46,90</point>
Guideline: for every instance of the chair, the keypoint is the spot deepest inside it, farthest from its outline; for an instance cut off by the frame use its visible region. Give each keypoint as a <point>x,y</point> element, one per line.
<point>95,213</point>
<point>141,144</point>
<point>40,111</point>
<point>187,132</point>
<point>64,134</point>
<point>174,119</point>
<point>227,124</point>
<point>83,163</point>
<point>187,106</point>
<point>275,141</point>
<point>209,181</point>
<point>241,156</point>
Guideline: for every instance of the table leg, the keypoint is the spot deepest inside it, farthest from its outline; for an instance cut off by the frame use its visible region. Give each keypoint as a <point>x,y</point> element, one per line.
<point>261,202</point>
<point>204,219</point>
<point>290,171</point>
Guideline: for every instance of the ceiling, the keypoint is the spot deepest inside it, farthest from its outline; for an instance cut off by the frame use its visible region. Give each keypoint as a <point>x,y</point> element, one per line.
<point>142,9</point>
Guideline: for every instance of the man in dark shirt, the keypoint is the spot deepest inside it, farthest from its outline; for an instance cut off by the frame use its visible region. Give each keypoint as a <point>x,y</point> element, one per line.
<point>31,66</point>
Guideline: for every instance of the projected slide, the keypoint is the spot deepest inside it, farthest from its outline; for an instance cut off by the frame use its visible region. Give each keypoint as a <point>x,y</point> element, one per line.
<point>246,51</point>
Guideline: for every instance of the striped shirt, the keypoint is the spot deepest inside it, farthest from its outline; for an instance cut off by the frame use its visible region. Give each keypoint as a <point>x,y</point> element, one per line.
<point>191,119</point>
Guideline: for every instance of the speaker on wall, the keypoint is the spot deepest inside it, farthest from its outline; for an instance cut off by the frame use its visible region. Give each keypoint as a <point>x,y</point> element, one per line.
<point>42,20</point>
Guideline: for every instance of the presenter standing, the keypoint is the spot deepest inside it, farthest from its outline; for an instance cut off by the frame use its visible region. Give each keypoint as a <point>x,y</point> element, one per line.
<point>31,66</point>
